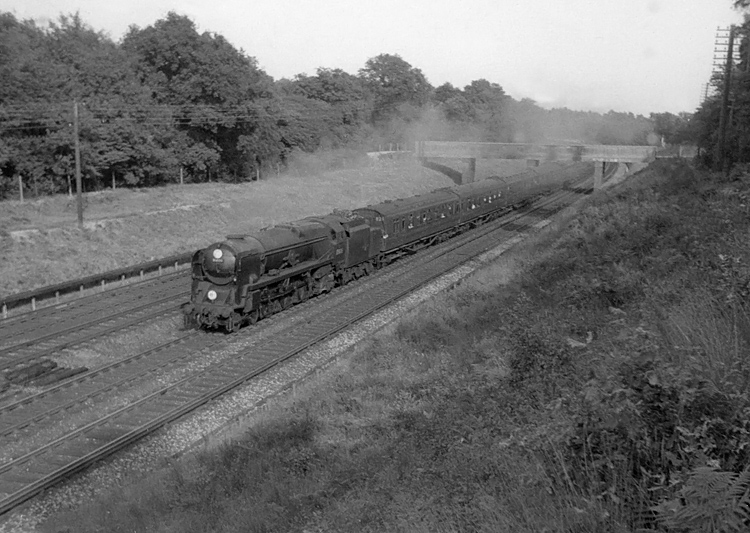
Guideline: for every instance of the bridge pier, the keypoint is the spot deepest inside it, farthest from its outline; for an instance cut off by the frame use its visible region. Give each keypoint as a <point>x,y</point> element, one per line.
<point>471,171</point>
<point>598,174</point>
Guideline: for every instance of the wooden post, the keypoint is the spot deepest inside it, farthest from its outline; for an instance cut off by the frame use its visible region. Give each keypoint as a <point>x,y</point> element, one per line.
<point>113,180</point>
<point>70,187</point>
<point>721,163</point>
<point>79,193</point>
<point>182,182</point>
<point>20,187</point>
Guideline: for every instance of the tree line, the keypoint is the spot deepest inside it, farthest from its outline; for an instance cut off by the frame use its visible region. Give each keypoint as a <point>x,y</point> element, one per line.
<point>168,103</point>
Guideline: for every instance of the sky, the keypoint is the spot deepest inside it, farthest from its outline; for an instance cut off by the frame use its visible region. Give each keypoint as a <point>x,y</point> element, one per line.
<point>638,56</point>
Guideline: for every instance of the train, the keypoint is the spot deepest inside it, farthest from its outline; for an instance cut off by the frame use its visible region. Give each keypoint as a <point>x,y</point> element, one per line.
<point>250,276</point>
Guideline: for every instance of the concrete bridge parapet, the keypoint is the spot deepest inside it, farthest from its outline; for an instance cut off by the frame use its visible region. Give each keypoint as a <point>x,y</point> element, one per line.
<point>533,153</point>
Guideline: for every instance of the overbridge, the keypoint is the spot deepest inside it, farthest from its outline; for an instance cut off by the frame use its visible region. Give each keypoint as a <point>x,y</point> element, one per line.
<point>532,153</point>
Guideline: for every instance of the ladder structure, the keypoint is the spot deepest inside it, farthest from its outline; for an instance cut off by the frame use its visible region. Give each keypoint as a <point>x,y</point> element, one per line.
<point>720,62</point>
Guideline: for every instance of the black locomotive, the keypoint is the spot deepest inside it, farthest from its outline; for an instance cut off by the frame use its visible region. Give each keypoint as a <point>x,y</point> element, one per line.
<point>250,276</point>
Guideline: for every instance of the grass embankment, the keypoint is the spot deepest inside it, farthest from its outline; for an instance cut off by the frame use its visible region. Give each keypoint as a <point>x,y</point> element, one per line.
<point>605,388</point>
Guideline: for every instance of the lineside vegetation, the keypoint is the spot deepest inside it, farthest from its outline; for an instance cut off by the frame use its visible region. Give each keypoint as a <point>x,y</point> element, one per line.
<point>599,383</point>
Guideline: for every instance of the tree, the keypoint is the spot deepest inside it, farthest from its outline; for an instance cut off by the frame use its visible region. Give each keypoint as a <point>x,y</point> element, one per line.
<point>346,106</point>
<point>217,89</point>
<point>487,101</point>
<point>673,129</point>
<point>394,83</point>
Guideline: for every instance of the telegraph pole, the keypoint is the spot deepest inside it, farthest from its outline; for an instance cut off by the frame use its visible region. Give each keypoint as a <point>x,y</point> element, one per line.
<point>724,117</point>
<point>79,194</point>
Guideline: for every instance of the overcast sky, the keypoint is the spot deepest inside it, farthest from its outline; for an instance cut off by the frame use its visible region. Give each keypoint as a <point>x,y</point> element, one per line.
<point>640,56</point>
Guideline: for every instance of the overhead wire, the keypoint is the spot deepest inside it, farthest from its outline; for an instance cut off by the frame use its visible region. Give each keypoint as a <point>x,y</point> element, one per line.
<point>30,113</point>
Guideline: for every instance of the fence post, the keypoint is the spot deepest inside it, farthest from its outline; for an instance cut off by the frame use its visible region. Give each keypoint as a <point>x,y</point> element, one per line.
<point>20,187</point>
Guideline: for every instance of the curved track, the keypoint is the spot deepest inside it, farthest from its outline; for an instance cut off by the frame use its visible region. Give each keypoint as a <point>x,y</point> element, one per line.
<point>65,451</point>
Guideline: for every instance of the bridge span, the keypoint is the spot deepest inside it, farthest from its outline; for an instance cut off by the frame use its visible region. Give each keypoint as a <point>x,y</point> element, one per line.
<point>532,153</point>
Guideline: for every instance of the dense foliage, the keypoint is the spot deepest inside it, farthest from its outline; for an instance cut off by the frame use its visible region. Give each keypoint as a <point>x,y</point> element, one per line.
<point>168,101</point>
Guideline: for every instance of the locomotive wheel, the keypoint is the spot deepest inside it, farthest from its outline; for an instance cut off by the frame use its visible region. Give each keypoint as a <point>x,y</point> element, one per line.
<point>264,311</point>
<point>275,307</point>
<point>302,294</point>
<point>252,317</point>
<point>287,302</point>
<point>234,322</point>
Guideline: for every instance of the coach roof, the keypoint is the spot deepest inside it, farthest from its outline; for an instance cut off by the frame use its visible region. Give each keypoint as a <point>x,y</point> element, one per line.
<point>391,208</point>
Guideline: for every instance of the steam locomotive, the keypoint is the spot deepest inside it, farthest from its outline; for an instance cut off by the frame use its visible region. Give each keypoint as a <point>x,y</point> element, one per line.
<point>250,276</point>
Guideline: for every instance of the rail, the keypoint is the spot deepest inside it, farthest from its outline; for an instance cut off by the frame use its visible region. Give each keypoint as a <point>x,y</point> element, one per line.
<point>33,297</point>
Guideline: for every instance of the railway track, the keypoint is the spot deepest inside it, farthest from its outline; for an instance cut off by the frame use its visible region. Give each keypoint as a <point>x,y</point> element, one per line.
<point>33,336</point>
<point>64,453</point>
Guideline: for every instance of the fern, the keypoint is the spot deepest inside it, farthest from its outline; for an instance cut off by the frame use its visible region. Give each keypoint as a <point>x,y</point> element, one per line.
<point>712,501</point>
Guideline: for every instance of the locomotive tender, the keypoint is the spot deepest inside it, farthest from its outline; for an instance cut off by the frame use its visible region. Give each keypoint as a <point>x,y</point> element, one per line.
<point>250,276</point>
